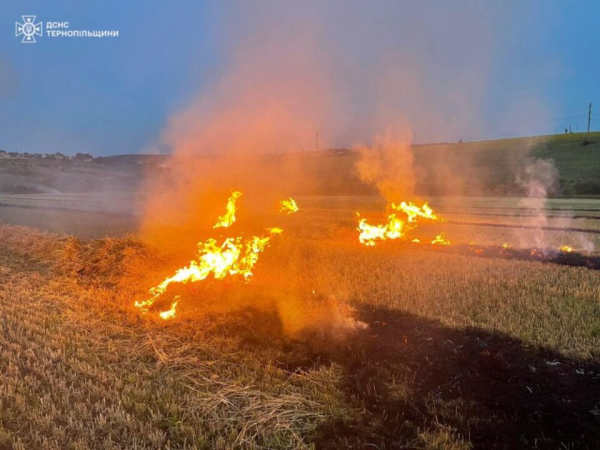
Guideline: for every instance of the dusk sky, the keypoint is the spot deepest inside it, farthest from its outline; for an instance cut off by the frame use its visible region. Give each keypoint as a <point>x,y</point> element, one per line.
<point>508,69</point>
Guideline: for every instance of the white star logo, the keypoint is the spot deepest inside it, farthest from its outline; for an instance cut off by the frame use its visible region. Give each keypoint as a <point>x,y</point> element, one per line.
<point>28,29</point>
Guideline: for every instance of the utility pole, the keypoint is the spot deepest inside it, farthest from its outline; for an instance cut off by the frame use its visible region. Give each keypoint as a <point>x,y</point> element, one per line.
<point>587,139</point>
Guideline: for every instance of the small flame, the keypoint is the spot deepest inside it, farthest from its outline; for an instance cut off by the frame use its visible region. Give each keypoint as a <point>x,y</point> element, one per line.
<point>227,219</point>
<point>288,206</point>
<point>440,239</point>
<point>416,241</point>
<point>371,233</point>
<point>275,230</point>
<point>413,211</point>
<point>505,246</point>
<point>566,249</point>
<point>170,313</point>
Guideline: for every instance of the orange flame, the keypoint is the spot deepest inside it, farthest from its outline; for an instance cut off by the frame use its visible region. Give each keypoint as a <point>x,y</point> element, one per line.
<point>395,228</point>
<point>170,313</point>
<point>413,211</point>
<point>288,206</point>
<point>227,219</point>
<point>371,233</point>
<point>440,239</point>
<point>235,256</point>
<point>566,249</point>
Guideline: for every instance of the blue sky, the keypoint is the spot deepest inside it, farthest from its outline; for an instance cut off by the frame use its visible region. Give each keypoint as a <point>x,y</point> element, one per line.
<point>536,66</point>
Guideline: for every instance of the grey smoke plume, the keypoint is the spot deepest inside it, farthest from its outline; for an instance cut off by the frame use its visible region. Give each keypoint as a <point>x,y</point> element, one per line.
<point>538,179</point>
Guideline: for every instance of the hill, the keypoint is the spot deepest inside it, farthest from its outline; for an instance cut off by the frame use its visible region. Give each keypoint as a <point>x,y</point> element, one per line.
<point>472,168</point>
<point>477,168</point>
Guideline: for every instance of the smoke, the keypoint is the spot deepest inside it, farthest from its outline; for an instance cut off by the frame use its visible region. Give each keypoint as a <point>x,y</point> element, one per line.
<point>316,76</point>
<point>388,165</point>
<point>539,178</point>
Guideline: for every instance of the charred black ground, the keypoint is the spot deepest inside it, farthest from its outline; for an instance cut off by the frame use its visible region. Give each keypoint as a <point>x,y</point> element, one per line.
<point>409,373</point>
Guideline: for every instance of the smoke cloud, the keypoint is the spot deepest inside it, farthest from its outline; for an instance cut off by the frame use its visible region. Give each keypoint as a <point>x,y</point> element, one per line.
<point>388,165</point>
<point>315,76</point>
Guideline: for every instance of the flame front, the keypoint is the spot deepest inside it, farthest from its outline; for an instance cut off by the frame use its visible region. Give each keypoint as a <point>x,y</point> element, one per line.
<point>288,206</point>
<point>412,211</point>
<point>227,219</point>
<point>395,228</point>
<point>371,233</point>
<point>234,256</point>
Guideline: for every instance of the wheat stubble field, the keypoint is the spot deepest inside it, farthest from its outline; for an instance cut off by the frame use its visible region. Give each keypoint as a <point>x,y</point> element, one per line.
<point>394,346</point>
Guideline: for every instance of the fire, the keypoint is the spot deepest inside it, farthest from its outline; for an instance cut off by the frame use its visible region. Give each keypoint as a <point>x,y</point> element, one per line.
<point>440,239</point>
<point>227,219</point>
<point>170,313</point>
<point>566,249</point>
<point>288,206</point>
<point>371,233</point>
<point>235,256</point>
<point>413,211</point>
<point>395,228</point>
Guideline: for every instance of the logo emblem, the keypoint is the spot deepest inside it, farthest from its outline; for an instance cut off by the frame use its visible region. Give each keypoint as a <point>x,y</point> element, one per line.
<point>28,29</point>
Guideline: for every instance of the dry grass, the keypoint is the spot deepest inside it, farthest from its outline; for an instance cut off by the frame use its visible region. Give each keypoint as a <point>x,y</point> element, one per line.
<point>82,369</point>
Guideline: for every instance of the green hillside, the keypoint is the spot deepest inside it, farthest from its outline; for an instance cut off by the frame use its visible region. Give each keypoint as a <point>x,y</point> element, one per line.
<point>476,168</point>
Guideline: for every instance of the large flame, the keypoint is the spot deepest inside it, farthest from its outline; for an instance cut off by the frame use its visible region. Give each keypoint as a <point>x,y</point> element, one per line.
<point>234,256</point>
<point>395,228</point>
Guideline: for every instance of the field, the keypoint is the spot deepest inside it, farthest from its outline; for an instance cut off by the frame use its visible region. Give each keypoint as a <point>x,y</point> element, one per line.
<point>462,169</point>
<point>400,345</point>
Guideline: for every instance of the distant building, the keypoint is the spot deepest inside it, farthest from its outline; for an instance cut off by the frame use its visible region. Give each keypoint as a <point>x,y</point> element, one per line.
<point>85,157</point>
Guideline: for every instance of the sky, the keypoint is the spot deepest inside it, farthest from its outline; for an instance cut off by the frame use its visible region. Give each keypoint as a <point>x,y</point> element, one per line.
<point>452,70</point>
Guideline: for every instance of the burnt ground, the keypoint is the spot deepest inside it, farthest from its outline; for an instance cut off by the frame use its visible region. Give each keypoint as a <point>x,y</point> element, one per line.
<point>411,374</point>
<point>550,256</point>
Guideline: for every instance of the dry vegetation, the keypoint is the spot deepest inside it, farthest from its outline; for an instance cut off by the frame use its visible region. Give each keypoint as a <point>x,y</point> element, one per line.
<point>460,352</point>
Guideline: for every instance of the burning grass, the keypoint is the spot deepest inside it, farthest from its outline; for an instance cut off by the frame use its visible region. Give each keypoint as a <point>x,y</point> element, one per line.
<point>459,351</point>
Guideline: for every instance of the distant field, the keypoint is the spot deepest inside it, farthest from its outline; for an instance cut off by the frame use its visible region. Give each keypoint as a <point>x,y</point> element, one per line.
<point>466,169</point>
<point>488,220</point>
